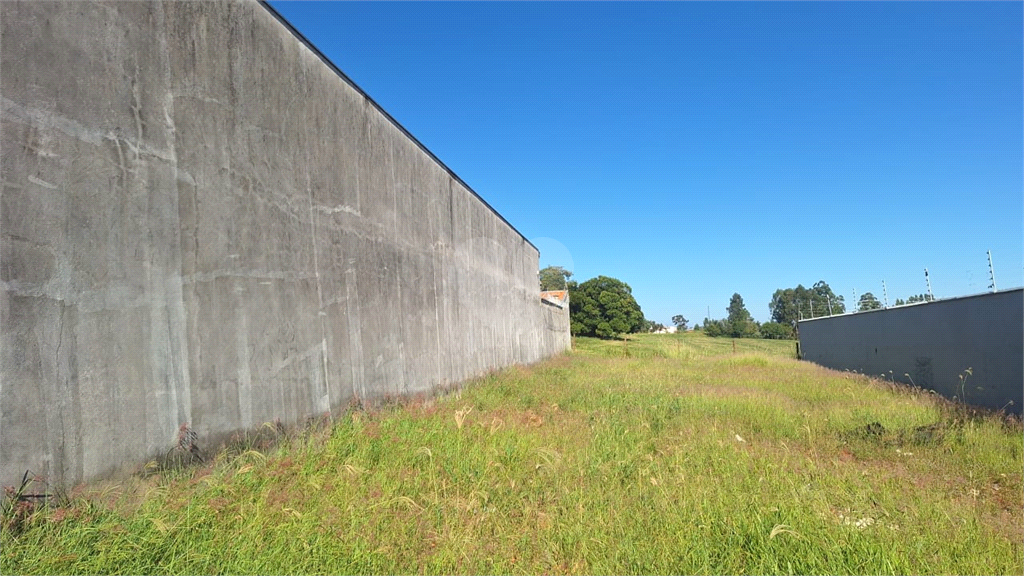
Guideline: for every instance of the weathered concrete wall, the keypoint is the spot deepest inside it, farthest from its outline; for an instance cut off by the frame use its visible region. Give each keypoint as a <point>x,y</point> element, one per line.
<point>202,222</point>
<point>934,343</point>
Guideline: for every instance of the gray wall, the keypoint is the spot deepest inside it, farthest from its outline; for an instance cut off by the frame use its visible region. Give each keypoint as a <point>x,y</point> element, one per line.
<point>934,343</point>
<point>202,222</point>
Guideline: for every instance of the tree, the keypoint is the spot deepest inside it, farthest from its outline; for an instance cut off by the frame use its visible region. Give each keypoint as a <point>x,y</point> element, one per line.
<point>603,307</point>
<point>715,328</point>
<point>554,278</point>
<point>920,298</point>
<point>791,304</point>
<point>899,302</point>
<point>680,322</point>
<point>652,326</point>
<point>740,324</point>
<point>776,331</point>
<point>784,307</point>
<point>822,295</point>
<point>868,302</point>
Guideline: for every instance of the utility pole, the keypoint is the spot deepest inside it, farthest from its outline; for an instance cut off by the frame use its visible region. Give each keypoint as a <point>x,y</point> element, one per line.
<point>829,300</point>
<point>928,281</point>
<point>812,308</point>
<point>991,272</point>
<point>885,294</point>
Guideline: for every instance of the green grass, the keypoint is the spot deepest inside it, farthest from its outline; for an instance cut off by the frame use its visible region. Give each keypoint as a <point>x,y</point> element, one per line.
<point>661,454</point>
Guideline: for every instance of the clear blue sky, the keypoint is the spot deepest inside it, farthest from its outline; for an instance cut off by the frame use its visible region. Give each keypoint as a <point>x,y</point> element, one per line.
<point>694,150</point>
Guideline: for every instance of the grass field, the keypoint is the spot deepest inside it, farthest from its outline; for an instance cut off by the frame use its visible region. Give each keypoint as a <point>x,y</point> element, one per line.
<point>662,454</point>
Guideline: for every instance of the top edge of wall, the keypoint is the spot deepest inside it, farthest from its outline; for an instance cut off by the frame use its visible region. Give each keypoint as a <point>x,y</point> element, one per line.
<point>323,58</point>
<point>904,306</point>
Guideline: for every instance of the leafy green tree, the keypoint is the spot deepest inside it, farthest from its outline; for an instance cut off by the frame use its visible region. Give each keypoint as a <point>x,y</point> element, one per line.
<point>740,324</point>
<point>920,298</point>
<point>715,328</point>
<point>680,321</point>
<point>868,302</point>
<point>652,326</point>
<point>784,307</point>
<point>899,302</point>
<point>791,304</point>
<point>776,331</point>
<point>822,295</point>
<point>554,278</point>
<point>603,307</point>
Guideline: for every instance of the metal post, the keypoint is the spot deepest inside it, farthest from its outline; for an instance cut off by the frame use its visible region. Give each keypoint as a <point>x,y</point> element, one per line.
<point>928,281</point>
<point>991,272</point>
<point>829,300</point>
<point>885,294</point>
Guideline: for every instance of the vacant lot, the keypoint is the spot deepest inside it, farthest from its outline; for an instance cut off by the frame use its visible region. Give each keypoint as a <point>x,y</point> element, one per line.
<point>663,454</point>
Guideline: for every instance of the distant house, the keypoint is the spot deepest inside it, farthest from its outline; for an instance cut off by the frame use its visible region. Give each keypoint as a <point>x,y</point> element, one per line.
<point>558,298</point>
<point>667,330</point>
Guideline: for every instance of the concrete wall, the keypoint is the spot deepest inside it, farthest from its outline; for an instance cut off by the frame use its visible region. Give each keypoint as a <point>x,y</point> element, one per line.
<point>203,222</point>
<point>934,343</point>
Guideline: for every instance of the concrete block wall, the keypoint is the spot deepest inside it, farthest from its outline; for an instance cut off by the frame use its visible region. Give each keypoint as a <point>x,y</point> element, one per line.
<point>934,343</point>
<point>203,222</point>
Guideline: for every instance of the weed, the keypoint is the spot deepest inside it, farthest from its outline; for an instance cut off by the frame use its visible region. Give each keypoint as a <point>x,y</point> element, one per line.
<point>16,506</point>
<point>963,383</point>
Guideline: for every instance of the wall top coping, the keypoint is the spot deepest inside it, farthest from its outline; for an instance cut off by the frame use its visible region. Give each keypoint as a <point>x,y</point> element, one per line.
<point>903,306</point>
<point>323,58</point>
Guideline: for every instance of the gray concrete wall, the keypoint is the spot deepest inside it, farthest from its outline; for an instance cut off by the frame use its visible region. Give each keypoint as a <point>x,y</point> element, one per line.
<point>202,222</point>
<point>934,343</point>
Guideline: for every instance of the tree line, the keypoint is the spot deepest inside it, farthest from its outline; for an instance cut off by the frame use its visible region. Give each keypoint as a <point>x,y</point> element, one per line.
<point>604,307</point>
<point>790,305</point>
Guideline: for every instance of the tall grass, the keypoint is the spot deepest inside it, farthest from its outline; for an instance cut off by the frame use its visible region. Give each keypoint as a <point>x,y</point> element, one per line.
<point>661,454</point>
